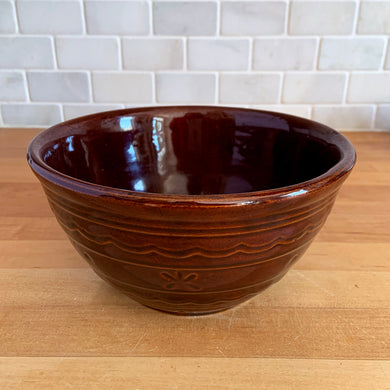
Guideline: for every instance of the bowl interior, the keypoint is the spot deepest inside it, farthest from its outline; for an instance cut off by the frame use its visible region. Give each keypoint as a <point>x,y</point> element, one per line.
<point>191,152</point>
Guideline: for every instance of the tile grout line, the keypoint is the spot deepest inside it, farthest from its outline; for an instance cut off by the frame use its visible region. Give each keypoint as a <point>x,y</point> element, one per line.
<point>53,43</point>
<point>217,88</point>
<point>152,34</point>
<point>374,115</point>
<point>154,88</point>
<point>218,20</point>
<point>317,54</point>
<point>151,18</point>
<point>119,41</point>
<point>185,55</point>
<point>386,49</point>
<point>346,88</point>
<point>251,54</point>
<point>238,71</point>
<point>83,18</point>
<point>356,18</point>
<point>25,77</point>
<point>311,109</point>
<point>287,19</point>
<point>281,88</point>
<point>90,89</point>
<point>16,17</point>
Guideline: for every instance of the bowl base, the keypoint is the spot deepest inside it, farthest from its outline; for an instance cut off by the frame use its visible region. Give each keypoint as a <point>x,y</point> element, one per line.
<point>190,314</point>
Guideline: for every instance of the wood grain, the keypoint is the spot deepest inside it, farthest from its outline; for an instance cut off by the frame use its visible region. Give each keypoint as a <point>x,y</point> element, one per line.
<point>193,373</point>
<point>22,254</point>
<point>326,325</point>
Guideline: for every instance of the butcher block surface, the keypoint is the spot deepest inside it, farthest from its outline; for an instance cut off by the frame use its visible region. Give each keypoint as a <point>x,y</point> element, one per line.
<point>325,325</point>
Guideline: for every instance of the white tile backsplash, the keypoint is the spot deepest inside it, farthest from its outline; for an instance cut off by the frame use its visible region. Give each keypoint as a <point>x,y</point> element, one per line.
<point>87,52</point>
<point>31,114</point>
<point>25,52</point>
<point>72,111</point>
<point>351,53</point>
<point>12,86</point>
<point>313,88</point>
<point>369,88</point>
<point>297,110</point>
<point>374,17</point>
<point>117,17</point>
<point>218,54</point>
<point>249,88</point>
<point>322,59</point>
<point>181,88</point>
<point>153,53</point>
<point>50,17</point>
<point>253,17</point>
<point>185,18</point>
<point>7,17</point>
<point>344,117</point>
<point>284,53</point>
<point>122,87</point>
<point>321,17</point>
<point>58,86</point>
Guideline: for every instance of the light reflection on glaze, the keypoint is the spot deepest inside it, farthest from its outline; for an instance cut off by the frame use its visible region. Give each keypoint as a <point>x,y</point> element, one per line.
<point>125,123</point>
<point>131,157</point>
<point>69,141</point>
<point>295,193</point>
<point>139,185</point>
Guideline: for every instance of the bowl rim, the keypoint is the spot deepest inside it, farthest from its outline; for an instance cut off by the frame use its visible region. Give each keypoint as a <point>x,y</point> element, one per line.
<point>339,170</point>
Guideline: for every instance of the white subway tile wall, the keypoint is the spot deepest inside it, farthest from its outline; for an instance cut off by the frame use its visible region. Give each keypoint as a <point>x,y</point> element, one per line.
<point>31,114</point>
<point>298,110</point>
<point>328,60</point>
<point>351,53</point>
<point>153,53</point>
<point>249,88</point>
<point>26,52</point>
<point>253,17</point>
<point>87,53</point>
<point>284,53</point>
<point>186,88</point>
<point>122,87</point>
<point>117,17</point>
<point>347,117</point>
<point>314,87</point>
<point>322,17</point>
<point>7,17</point>
<point>58,86</point>
<point>12,85</point>
<point>376,88</point>
<point>382,117</point>
<point>49,17</point>
<point>185,18</point>
<point>72,111</point>
<point>218,54</point>
<point>374,18</point>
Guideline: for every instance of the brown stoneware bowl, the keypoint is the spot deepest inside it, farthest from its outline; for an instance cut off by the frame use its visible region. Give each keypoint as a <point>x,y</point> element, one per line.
<point>191,210</point>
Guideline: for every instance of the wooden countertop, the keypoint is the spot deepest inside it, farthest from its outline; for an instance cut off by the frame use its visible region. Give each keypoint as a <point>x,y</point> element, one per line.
<point>326,325</point>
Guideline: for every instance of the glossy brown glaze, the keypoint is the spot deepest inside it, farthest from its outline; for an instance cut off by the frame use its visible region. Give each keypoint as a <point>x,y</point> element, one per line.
<point>191,210</point>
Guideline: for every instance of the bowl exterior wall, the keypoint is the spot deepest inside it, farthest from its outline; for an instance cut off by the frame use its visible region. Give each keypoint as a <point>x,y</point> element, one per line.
<point>190,258</point>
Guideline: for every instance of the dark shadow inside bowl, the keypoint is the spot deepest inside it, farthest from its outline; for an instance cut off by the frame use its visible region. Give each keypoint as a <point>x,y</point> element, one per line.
<point>205,152</point>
